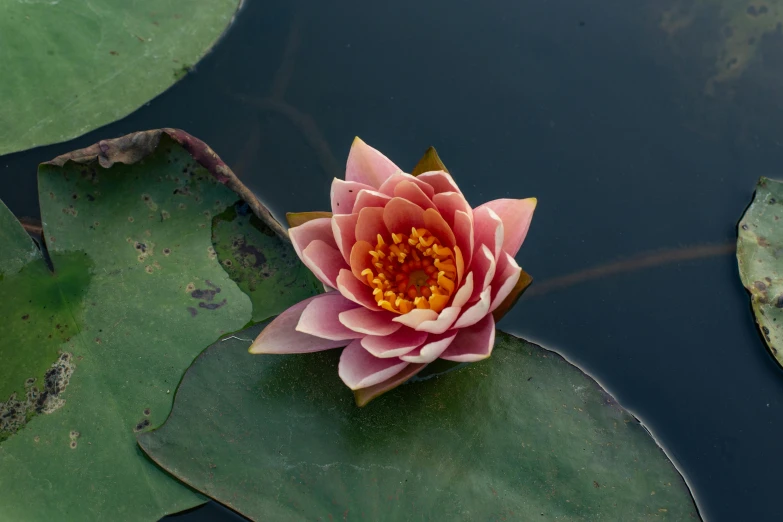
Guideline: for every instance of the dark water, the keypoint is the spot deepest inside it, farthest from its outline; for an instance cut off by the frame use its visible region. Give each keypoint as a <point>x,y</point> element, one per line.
<point>612,122</point>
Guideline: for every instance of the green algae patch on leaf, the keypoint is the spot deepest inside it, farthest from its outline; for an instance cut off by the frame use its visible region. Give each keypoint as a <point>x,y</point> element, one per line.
<point>265,268</point>
<point>523,435</point>
<point>136,292</point>
<point>760,258</point>
<point>71,67</point>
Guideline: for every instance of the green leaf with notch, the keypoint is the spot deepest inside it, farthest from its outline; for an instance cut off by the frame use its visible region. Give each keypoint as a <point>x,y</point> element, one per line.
<point>523,435</point>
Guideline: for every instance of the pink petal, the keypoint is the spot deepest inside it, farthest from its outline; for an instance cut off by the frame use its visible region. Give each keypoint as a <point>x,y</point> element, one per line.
<point>344,231</point>
<point>488,230</point>
<point>415,317</point>
<point>370,224</point>
<point>399,343</point>
<point>460,263</point>
<point>483,269</point>
<point>306,233</point>
<point>397,178</point>
<point>370,322</point>
<point>367,165</point>
<point>360,369</point>
<point>434,222</point>
<point>355,290</point>
<point>440,181</point>
<point>516,215</point>
<point>370,198</point>
<point>445,319</point>
<point>473,343</point>
<point>464,293</point>
<point>449,203</point>
<point>431,350</point>
<point>320,318</point>
<point>365,395</point>
<point>410,191</point>
<point>463,233</point>
<point>506,277</point>
<point>324,261</point>
<point>475,312</point>
<point>280,336</point>
<point>361,259</point>
<point>401,215</point>
<point>343,195</point>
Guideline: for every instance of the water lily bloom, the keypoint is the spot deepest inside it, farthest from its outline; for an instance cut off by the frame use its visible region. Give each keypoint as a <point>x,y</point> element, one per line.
<point>415,273</point>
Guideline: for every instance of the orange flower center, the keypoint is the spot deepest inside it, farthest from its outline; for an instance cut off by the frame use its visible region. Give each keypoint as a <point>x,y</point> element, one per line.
<point>416,271</point>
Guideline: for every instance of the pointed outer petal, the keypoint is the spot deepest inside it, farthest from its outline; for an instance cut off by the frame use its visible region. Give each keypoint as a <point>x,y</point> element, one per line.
<point>358,368</point>
<point>473,343</point>
<point>343,195</point>
<point>463,233</point>
<point>483,269</point>
<point>445,319</point>
<point>440,181</point>
<point>516,215</point>
<point>511,299</point>
<point>464,293</point>
<point>431,350</point>
<point>306,233</point>
<point>361,259</point>
<point>415,317</point>
<point>320,318</point>
<point>367,165</point>
<point>399,343</point>
<point>324,261</point>
<point>370,224</point>
<point>364,395</point>
<point>280,336</point>
<point>344,232</point>
<point>450,202</point>
<point>300,218</point>
<point>475,312</point>
<point>506,277</point>
<point>428,163</point>
<point>370,322</point>
<point>370,198</point>
<point>488,230</point>
<point>437,226</point>
<point>400,215</point>
<point>411,192</point>
<point>355,290</point>
<point>389,185</point>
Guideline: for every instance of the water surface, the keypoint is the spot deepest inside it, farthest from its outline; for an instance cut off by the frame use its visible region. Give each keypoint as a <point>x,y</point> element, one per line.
<point>640,128</point>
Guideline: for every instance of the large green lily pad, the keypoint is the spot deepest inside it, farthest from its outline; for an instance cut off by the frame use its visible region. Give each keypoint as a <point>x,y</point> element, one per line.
<point>93,351</point>
<point>523,435</point>
<point>760,258</point>
<point>70,67</point>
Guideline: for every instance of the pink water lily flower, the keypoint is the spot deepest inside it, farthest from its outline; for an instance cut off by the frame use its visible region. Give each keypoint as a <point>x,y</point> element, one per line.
<point>415,273</point>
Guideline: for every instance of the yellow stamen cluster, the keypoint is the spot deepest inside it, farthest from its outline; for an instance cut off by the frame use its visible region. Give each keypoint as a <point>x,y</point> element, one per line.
<point>414,271</point>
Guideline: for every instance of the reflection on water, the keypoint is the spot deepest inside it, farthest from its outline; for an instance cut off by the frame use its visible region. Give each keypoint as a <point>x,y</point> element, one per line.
<point>641,130</point>
<point>736,28</point>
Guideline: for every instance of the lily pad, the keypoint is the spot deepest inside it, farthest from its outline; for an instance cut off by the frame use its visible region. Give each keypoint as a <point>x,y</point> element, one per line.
<point>70,67</point>
<point>523,435</point>
<point>93,351</point>
<point>759,249</point>
<point>265,268</point>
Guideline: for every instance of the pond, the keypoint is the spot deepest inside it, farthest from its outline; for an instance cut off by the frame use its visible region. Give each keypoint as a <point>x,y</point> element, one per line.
<point>641,129</point>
